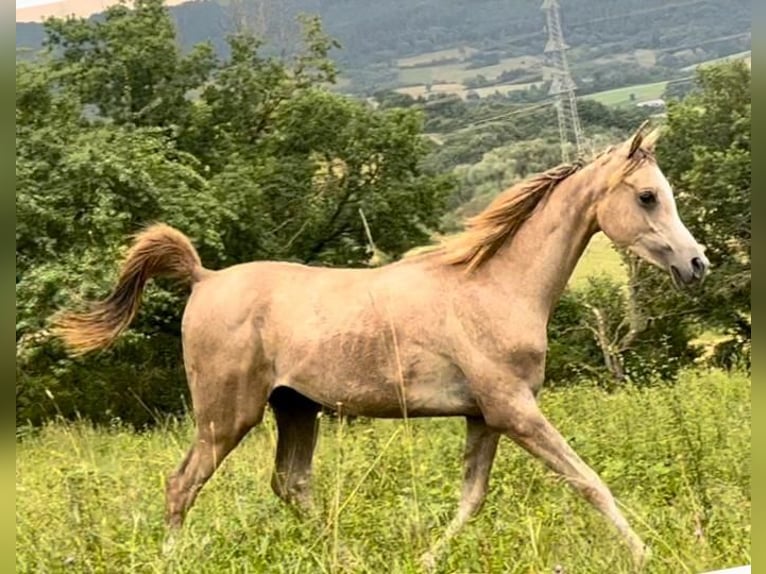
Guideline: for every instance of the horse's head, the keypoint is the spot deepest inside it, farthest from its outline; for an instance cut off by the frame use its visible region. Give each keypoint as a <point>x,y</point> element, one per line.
<point>638,211</point>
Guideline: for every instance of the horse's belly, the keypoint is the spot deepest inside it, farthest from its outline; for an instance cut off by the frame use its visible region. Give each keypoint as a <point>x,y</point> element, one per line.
<point>440,398</point>
<point>440,391</point>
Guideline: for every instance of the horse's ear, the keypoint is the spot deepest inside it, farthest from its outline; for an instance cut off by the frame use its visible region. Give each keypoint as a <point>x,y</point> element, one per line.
<point>638,139</point>
<point>650,139</point>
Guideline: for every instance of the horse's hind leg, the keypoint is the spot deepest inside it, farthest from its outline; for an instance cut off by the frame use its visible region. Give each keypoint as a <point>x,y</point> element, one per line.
<point>480,449</point>
<point>227,409</point>
<point>297,427</point>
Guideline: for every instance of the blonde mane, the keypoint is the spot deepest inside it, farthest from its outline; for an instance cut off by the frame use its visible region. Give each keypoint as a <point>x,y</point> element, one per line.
<point>486,232</point>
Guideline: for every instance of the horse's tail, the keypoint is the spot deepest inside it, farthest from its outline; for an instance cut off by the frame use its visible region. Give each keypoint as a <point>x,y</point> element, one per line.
<point>157,251</point>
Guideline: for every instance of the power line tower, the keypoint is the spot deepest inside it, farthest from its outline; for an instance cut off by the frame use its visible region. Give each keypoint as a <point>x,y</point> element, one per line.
<point>562,86</point>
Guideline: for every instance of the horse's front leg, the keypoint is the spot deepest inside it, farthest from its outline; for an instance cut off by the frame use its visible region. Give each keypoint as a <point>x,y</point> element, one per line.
<point>520,418</point>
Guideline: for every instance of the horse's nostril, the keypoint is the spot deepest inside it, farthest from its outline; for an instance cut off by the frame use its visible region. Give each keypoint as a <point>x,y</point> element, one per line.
<point>698,266</point>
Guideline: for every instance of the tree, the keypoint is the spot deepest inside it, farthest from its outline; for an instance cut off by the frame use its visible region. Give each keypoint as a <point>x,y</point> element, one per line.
<point>706,155</point>
<point>80,190</point>
<point>129,66</point>
<point>604,331</point>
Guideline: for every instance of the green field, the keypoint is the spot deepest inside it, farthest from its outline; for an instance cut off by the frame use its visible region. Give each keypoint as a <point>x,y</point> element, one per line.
<point>437,55</point>
<point>621,96</point>
<point>676,457</point>
<point>599,258</point>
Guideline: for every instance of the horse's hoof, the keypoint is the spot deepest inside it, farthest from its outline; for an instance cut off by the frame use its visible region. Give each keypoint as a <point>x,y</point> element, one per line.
<point>169,545</point>
<point>642,556</point>
<point>428,561</point>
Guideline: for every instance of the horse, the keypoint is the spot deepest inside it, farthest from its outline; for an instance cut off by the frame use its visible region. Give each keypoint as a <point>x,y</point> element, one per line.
<point>458,329</point>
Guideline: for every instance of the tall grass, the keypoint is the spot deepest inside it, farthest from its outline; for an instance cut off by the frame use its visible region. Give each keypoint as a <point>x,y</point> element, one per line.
<point>676,457</point>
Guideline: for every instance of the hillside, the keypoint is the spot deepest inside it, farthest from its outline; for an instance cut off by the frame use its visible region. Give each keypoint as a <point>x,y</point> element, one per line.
<point>488,45</point>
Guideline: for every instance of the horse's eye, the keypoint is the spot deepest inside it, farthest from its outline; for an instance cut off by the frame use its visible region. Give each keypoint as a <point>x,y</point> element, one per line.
<point>647,198</point>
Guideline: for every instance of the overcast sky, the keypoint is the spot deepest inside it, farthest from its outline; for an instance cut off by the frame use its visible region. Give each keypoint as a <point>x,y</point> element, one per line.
<point>27,3</point>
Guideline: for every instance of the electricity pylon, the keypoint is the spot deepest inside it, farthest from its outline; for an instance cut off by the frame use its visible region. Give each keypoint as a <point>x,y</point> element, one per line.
<point>562,86</point>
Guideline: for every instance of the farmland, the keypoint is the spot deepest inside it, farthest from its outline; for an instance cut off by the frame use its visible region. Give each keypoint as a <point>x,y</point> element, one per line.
<point>421,90</point>
<point>599,258</point>
<point>630,94</point>
<point>458,72</point>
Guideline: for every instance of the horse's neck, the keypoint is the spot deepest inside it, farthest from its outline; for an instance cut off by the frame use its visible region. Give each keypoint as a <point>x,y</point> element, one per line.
<point>541,257</point>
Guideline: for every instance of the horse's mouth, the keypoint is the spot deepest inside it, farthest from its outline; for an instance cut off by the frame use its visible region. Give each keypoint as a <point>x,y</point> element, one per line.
<point>679,282</point>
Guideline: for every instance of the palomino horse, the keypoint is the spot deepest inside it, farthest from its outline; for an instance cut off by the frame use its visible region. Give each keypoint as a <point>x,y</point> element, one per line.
<point>458,330</point>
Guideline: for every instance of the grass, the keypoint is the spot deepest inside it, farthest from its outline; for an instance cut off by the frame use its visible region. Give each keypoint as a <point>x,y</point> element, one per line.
<point>621,96</point>
<point>599,258</point>
<point>676,457</point>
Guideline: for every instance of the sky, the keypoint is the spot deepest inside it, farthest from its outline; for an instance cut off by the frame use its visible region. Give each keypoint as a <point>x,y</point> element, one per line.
<point>28,3</point>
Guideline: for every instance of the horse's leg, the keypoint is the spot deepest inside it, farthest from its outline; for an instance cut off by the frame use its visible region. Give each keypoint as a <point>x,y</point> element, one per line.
<point>523,422</point>
<point>226,408</point>
<point>297,427</point>
<point>211,445</point>
<point>480,449</point>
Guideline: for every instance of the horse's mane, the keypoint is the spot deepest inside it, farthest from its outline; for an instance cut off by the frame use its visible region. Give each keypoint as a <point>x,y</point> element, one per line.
<point>486,232</point>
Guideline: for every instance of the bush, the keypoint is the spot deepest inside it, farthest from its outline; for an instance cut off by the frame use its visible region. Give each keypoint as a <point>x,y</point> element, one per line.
<point>597,332</point>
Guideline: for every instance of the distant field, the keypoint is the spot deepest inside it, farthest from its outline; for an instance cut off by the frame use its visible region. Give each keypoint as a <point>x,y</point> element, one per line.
<point>449,78</point>
<point>458,73</point>
<point>642,57</point>
<point>437,55</point>
<point>503,88</point>
<point>646,58</point>
<point>461,90</point>
<point>599,258</point>
<point>420,89</point>
<point>621,96</point>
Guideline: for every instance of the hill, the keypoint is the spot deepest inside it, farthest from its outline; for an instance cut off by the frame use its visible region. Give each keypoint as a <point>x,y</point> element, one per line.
<point>488,45</point>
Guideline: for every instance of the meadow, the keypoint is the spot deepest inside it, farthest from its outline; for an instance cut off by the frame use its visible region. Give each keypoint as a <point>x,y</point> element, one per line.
<point>622,96</point>
<point>458,71</point>
<point>677,458</point>
<point>600,258</point>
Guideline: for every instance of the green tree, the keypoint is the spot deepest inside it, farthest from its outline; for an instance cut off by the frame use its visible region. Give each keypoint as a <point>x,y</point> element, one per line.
<point>604,332</point>
<point>129,65</point>
<point>80,189</point>
<point>706,155</point>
